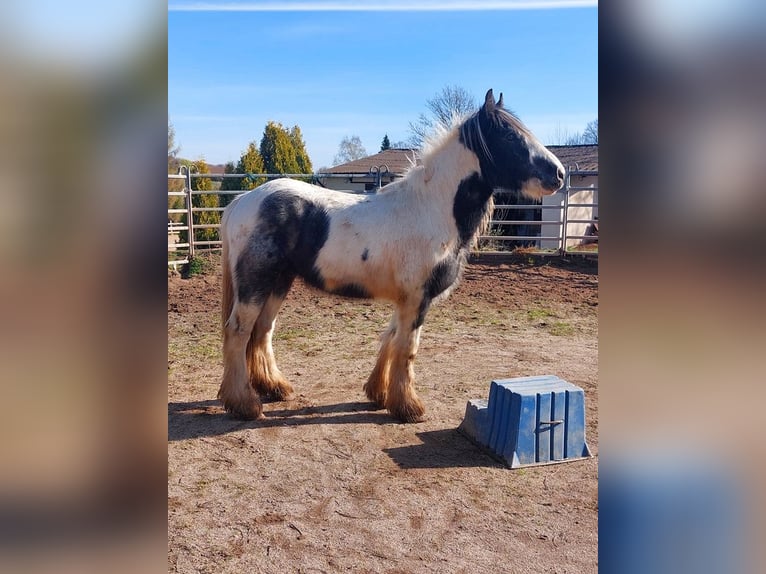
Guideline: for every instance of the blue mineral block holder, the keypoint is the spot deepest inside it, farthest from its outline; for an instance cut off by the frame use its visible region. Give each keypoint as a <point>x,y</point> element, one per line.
<point>529,421</point>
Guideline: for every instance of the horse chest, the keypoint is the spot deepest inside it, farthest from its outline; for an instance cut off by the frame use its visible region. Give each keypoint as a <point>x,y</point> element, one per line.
<point>470,205</point>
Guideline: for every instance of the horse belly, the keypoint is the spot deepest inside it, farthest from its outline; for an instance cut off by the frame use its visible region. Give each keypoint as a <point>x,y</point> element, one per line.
<point>350,264</point>
<point>389,268</point>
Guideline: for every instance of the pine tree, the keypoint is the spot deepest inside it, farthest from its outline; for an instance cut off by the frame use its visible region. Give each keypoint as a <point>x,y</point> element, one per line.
<point>229,184</point>
<point>251,162</point>
<point>277,150</point>
<point>301,155</point>
<point>386,144</point>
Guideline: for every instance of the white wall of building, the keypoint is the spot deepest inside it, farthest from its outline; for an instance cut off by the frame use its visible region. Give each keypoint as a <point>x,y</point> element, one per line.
<point>552,218</point>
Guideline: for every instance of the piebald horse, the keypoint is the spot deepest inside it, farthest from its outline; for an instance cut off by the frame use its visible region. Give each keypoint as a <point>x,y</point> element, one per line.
<point>406,244</point>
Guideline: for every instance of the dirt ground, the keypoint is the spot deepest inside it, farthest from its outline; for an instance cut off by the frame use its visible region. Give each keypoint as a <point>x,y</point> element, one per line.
<point>327,483</point>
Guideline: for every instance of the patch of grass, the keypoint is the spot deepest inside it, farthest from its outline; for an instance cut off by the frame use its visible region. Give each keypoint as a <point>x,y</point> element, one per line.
<point>291,333</point>
<point>560,329</point>
<point>541,317</point>
<point>194,267</point>
<point>210,347</point>
<point>205,264</point>
<point>539,314</point>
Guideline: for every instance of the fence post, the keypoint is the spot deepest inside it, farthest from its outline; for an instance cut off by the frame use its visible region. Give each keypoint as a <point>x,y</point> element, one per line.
<point>565,214</point>
<point>378,171</point>
<point>189,212</point>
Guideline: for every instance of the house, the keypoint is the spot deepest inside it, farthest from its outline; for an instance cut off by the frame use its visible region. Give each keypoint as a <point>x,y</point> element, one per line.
<point>361,175</point>
<point>581,162</point>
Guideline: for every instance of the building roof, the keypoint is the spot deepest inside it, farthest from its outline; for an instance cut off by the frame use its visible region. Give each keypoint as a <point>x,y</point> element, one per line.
<point>397,160</point>
<point>583,157</point>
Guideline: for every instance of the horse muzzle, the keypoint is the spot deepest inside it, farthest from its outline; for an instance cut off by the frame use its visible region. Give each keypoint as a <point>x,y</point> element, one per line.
<point>553,182</point>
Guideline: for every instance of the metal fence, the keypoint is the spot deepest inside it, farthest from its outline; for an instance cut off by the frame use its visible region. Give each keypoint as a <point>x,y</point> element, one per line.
<point>564,223</point>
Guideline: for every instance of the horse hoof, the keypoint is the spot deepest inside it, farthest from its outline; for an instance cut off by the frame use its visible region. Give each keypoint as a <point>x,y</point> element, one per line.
<point>274,391</point>
<point>245,412</point>
<point>282,392</point>
<point>277,397</point>
<point>409,414</point>
<point>378,400</point>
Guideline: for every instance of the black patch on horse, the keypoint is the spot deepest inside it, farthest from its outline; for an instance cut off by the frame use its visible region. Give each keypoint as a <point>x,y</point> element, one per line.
<point>442,277</point>
<point>286,243</point>
<point>471,200</point>
<point>353,291</point>
<point>365,254</point>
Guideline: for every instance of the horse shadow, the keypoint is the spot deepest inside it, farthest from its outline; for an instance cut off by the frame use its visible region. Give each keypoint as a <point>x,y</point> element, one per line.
<point>197,419</point>
<point>443,448</point>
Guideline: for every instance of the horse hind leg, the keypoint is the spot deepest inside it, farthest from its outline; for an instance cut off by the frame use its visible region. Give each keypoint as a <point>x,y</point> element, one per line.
<point>264,374</point>
<point>376,387</point>
<point>235,392</point>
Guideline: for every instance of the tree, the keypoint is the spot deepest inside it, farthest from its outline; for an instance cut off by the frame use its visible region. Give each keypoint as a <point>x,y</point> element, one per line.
<point>350,148</point>
<point>205,200</point>
<point>386,144</point>
<point>250,162</point>
<point>173,149</point>
<point>283,151</point>
<point>590,135</point>
<point>174,185</point>
<point>301,155</point>
<point>452,103</point>
<point>562,136</point>
<point>229,184</point>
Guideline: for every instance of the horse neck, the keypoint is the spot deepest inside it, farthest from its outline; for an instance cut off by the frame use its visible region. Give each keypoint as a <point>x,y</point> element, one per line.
<point>449,164</point>
<point>455,177</point>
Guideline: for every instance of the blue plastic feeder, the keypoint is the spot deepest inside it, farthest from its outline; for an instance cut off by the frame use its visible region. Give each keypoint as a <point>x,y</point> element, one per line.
<point>529,421</point>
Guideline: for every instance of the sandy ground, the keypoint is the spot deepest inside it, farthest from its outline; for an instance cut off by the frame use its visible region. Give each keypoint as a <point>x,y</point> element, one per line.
<point>327,483</point>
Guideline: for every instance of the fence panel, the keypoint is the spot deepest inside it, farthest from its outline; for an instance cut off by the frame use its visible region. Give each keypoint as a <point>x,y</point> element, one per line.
<point>563,223</point>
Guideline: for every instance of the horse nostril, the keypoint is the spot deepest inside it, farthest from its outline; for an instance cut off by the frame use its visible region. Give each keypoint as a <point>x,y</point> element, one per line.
<point>560,173</point>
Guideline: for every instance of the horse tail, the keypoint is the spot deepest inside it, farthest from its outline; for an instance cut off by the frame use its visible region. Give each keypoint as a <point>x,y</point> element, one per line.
<point>227,304</point>
<point>227,286</point>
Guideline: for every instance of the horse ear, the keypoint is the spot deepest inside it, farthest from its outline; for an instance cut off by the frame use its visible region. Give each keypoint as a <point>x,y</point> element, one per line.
<point>500,100</point>
<point>489,101</point>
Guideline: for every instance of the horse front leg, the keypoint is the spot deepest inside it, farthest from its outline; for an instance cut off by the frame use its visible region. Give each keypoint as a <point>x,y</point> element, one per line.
<point>376,386</point>
<point>401,399</point>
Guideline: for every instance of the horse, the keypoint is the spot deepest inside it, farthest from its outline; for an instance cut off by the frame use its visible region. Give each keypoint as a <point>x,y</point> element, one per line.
<point>407,245</point>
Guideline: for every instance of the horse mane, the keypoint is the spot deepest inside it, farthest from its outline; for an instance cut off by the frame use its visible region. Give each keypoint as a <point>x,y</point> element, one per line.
<point>440,134</point>
<point>470,127</point>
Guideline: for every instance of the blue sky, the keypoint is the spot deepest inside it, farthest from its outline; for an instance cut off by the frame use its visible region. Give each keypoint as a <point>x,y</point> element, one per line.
<point>336,69</point>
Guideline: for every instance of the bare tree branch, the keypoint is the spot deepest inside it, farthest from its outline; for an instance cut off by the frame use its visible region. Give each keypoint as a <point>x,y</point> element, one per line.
<point>350,148</point>
<point>452,103</point>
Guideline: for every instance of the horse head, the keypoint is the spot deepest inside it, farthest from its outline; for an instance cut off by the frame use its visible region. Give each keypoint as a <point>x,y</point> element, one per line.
<point>510,156</point>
